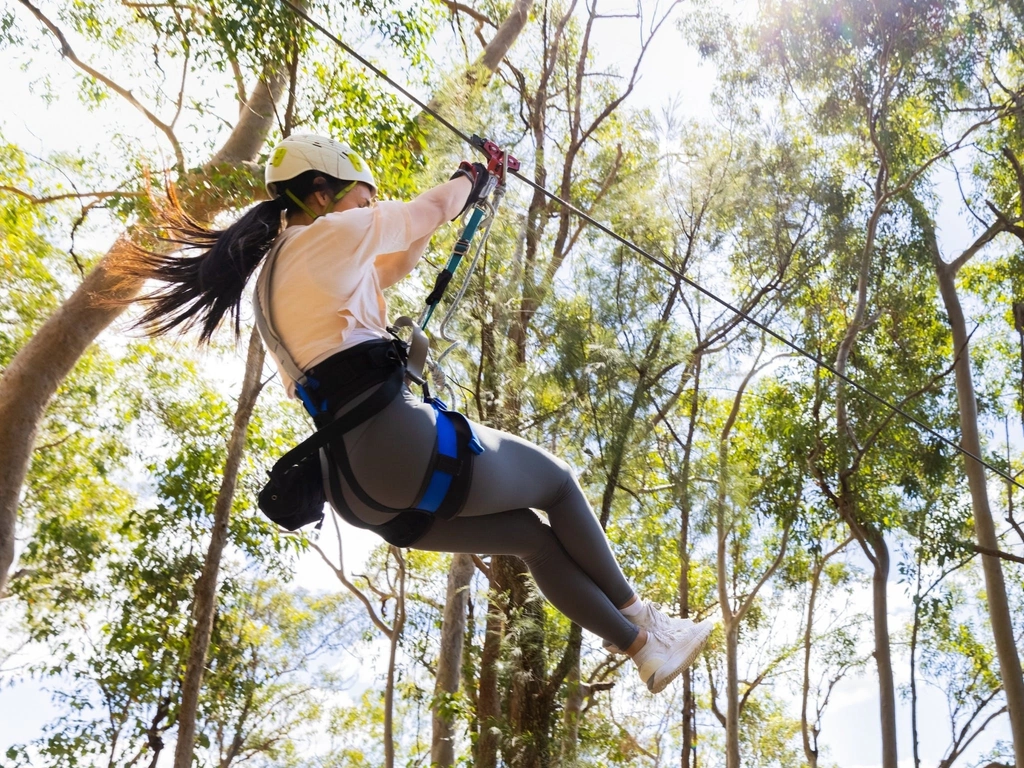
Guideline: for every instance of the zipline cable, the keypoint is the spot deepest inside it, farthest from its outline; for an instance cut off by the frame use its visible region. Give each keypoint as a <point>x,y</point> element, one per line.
<point>654,259</point>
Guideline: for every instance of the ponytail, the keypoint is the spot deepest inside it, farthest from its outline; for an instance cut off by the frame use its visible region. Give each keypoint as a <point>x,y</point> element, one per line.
<point>199,290</point>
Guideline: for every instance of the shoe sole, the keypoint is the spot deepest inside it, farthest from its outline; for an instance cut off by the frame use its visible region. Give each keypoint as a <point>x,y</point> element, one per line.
<point>689,655</point>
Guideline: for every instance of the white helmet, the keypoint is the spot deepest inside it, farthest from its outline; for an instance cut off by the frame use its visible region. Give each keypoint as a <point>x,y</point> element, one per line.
<point>308,152</point>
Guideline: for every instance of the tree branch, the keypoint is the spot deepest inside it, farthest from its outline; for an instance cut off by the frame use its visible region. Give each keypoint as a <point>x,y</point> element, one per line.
<point>944,152</point>
<point>68,52</point>
<point>742,610</point>
<point>67,195</point>
<point>1010,155</point>
<point>994,552</point>
<point>456,7</point>
<point>482,566</point>
<point>1000,225</point>
<point>870,440</point>
<point>340,573</point>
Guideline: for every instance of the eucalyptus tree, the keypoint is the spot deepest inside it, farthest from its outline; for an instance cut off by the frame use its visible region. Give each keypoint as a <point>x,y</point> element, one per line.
<point>565,97</point>
<point>829,647</point>
<point>204,602</point>
<point>984,524</point>
<point>742,567</point>
<point>33,375</point>
<point>999,179</point>
<point>817,572</point>
<point>865,76</point>
<point>744,204</point>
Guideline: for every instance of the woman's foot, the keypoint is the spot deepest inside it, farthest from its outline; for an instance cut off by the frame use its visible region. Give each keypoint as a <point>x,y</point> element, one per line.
<point>660,660</point>
<point>649,616</point>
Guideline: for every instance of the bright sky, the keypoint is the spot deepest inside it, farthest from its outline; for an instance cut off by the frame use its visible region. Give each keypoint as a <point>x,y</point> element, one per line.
<point>672,71</point>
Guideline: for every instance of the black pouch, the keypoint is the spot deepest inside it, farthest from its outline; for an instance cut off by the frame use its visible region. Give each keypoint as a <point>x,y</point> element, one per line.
<point>295,497</point>
<point>406,528</point>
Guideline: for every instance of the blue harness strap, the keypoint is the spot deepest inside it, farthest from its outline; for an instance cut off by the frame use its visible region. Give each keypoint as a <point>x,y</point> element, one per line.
<point>447,457</point>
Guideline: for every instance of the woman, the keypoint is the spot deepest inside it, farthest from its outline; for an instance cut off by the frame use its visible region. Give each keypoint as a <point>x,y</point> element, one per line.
<point>323,291</point>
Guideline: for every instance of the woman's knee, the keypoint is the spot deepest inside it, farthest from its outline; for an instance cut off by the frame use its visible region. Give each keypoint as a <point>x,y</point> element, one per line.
<point>541,543</point>
<point>567,482</point>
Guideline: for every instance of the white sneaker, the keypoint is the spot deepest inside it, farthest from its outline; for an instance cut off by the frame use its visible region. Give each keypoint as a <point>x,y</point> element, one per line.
<point>663,657</point>
<point>651,617</point>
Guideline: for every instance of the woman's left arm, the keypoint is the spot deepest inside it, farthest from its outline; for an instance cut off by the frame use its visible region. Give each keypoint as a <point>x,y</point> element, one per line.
<point>392,267</point>
<point>426,213</point>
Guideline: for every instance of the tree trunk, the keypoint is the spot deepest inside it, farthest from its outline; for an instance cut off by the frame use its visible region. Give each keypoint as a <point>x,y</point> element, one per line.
<point>914,633</point>
<point>732,696</point>
<point>41,365</point>
<point>389,689</point>
<point>883,654</point>
<point>730,618</point>
<point>487,63</point>
<point>810,749</point>
<point>205,603</point>
<point>984,525</point>
<point>688,748</point>
<point>685,507</point>
<point>449,660</point>
<point>528,715</point>
<point>489,700</point>
<point>571,719</point>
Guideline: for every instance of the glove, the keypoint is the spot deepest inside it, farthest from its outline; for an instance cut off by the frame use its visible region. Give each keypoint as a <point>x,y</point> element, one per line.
<point>482,181</point>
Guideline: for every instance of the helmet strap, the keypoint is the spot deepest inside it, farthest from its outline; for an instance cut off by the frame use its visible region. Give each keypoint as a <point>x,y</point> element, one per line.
<point>305,208</point>
<point>309,211</point>
<point>344,190</point>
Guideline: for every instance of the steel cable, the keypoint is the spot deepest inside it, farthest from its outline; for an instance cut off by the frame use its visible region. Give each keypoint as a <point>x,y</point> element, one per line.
<point>655,260</point>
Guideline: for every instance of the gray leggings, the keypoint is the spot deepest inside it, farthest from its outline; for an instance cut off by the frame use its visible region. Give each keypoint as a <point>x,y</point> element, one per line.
<point>570,559</point>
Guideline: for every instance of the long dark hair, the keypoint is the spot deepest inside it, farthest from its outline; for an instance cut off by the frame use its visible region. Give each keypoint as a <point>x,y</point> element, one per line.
<point>198,290</point>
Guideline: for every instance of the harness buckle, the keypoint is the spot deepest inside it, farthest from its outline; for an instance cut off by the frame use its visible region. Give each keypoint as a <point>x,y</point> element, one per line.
<point>449,465</point>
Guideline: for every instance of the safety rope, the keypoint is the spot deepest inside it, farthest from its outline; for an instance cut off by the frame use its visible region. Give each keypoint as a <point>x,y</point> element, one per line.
<point>655,260</point>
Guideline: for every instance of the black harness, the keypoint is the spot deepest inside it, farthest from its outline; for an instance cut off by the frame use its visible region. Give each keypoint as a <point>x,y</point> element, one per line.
<point>343,378</point>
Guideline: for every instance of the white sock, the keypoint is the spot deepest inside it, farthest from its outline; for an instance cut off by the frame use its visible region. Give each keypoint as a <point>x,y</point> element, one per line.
<point>633,609</point>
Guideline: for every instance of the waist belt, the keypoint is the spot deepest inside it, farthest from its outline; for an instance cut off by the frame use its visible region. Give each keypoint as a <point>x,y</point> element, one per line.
<point>332,383</point>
